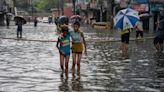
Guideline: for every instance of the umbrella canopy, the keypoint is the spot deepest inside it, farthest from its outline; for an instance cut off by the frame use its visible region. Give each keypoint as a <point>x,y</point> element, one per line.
<point>145,16</point>
<point>20,18</point>
<point>76,17</point>
<point>160,34</point>
<point>9,14</point>
<point>126,18</point>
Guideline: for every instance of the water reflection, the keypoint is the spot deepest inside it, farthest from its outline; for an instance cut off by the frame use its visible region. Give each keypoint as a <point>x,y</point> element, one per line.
<point>64,86</point>
<point>159,57</point>
<point>103,70</point>
<point>69,85</point>
<point>76,82</point>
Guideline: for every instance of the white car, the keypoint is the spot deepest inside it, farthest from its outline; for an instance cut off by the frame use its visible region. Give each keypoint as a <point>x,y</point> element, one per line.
<point>39,19</point>
<point>45,20</point>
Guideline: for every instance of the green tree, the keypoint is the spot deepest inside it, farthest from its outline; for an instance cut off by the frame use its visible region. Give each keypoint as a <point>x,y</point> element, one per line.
<point>38,5</point>
<point>45,5</point>
<point>22,4</point>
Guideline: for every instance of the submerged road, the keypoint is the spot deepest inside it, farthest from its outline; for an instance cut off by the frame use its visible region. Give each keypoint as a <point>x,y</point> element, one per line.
<point>33,66</point>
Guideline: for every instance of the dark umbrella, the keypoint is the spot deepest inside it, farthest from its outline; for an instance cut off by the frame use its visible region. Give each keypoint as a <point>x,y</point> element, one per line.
<point>145,16</point>
<point>9,14</point>
<point>160,34</point>
<point>76,17</point>
<point>19,18</point>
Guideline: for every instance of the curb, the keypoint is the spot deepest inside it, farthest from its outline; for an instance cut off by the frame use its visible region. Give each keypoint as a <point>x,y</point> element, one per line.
<point>96,40</point>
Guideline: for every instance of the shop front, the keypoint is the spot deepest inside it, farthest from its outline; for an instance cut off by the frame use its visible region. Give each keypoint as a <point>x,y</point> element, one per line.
<point>155,9</point>
<point>142,7</point>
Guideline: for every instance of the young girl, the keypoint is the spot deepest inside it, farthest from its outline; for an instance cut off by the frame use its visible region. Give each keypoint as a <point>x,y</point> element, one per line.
<point>63,45</point>
<point>78,45</point>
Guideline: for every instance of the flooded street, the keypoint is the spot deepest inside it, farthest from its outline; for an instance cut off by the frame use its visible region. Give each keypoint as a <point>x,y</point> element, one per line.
<point>33,66</point>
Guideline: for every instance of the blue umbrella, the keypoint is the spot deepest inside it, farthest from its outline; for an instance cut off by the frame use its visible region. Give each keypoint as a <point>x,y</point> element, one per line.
<point>126,18</point>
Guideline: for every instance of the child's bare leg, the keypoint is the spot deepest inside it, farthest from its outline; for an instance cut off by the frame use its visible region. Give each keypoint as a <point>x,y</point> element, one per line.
<point>66,66</point>
<point>126,49</point>
<point>74,61</point>
<point>62,62</point>
<point>123,48</point>
<point>78,62</point>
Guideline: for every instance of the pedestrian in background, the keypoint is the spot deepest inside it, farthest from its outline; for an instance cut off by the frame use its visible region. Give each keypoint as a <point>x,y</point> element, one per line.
<point>139,29</point>
<point>19,29</point>
<point>63,45</point>
<point>7,21</point>
<point>78,45</point>
<point>159,37</point>
<point>35,22</point>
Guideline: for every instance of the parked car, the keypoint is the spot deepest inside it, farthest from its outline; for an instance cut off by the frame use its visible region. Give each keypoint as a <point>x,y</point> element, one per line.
<point>39,19</point>
<point>45,20</point>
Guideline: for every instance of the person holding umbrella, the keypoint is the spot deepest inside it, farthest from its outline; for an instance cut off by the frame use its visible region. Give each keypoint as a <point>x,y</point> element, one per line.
<point>19,22</point>
<point>125,34</point>
<point>125,20</point>
<point>19,29</point>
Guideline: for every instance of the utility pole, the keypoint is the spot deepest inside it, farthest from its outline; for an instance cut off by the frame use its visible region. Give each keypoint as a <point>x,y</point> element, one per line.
<point>2,18</point>
<point>58,7</point>
<point>32,10</point>
<point>110,4</point>
<point>101,3</point>
<point>14,2</point>
<point>74,8</point>
<point>15,9</point>
<point>62,6</point>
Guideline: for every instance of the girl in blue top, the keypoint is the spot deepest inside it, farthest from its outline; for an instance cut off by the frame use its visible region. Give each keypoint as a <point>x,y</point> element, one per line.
<point>63,45</point>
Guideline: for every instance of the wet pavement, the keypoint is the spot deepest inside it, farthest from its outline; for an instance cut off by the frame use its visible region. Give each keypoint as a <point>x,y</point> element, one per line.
<point>33,66</point>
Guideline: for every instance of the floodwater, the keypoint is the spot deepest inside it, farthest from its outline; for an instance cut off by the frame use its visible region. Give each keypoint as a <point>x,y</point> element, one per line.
<point>31,66</point>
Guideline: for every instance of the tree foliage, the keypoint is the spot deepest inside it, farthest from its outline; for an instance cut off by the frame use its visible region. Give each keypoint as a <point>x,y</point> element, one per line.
<point>45,5</point>
<point>22,4</point>
<point>38,5</point>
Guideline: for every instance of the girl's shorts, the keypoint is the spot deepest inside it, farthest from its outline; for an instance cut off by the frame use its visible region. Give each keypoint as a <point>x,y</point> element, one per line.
<point>77,47</point>
<point>125,38</point>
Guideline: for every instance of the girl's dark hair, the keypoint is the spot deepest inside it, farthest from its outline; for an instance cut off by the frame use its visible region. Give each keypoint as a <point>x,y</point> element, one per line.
<point>63,20</point>
<point>76,23</point>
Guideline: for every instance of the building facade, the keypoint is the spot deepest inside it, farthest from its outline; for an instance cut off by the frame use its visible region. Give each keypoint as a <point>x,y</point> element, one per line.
<point>142,6</point>
<point>6,7</point>
<point>155,6</point>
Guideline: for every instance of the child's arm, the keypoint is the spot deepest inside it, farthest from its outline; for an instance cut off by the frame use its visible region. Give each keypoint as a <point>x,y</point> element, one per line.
<point>85,45</point>
<point>57,44</point>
